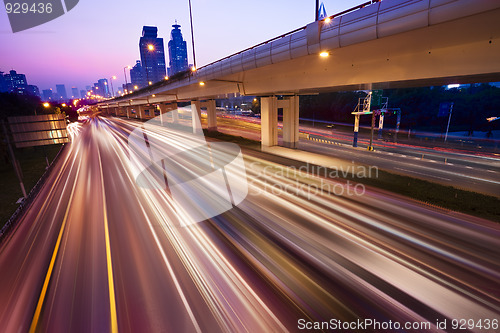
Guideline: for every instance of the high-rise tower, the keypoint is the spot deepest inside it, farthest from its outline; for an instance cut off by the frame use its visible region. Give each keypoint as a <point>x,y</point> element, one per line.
<point>177,51</point>
<point>152,55</point>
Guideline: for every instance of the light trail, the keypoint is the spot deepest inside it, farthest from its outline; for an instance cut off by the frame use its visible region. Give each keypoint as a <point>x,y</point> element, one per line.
<point>294,249</point>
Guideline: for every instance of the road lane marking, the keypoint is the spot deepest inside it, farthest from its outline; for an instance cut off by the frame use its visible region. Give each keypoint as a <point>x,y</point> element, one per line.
<point>41,299</point>
<point>423,174</point>
<point>111,284</point>
<point>167,263</point>
<point>172,273</point>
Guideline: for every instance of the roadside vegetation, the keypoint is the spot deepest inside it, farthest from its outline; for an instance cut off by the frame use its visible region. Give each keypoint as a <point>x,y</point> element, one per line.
<point>33,164</point>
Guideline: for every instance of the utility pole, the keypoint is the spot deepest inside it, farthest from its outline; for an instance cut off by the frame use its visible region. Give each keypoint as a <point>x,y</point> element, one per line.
<point>370,147</point>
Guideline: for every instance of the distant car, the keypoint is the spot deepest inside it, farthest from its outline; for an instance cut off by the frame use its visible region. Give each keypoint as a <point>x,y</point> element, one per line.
<point>332,126</point>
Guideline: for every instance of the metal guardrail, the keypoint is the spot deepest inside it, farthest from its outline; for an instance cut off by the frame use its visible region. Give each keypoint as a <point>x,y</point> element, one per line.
<point>11,223</point>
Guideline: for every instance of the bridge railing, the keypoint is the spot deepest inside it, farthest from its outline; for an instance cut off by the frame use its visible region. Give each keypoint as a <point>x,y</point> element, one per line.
<point>288,34</point>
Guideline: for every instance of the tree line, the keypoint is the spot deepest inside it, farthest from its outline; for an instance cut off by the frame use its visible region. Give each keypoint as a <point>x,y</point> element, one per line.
<point>419,107</point>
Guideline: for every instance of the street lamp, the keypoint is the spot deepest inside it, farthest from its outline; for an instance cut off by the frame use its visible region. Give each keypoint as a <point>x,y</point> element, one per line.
<point>112,90</point>
<point>124,73</point>
<point>192,34</point>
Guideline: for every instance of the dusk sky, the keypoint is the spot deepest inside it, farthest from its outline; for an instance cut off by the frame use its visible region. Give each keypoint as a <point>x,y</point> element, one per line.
<point>97,39</point>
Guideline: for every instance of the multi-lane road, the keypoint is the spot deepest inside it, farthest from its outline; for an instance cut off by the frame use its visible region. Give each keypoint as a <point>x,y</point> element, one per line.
<point>478,173</point>
<point>96,253</point>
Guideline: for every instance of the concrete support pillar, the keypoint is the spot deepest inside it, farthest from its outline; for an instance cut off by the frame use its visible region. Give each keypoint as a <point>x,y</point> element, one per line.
<point>290,121</point>
<point>356,130</point>
<point>173,112</point>
<point>175,116</point>
<point>139,109</point>
<point>196,117</point>
<point>211,115</point>
<point>163,111</point>
<point>269,121</point>
<point>127,109</point>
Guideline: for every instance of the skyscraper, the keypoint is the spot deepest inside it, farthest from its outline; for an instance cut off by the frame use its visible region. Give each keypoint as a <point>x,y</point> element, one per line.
<point>74,92</point>
<point>3,84</point>
<point>61,92</point>
<point>47,95</point>
<point>33,90</point>
<point>152,55</point>
<point>177,51</point>
<point>136,76</point>
<point>15,82</point>
<point>101,88</point>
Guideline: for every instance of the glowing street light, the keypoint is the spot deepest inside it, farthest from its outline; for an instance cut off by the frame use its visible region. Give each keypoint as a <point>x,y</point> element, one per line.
<point>63,105</point>
<point>324,54</point>
<point>166,77</point>
<point>151,47</point>
<point>112,89</point>
<point>46,105</point>
<point>202,83</point>
<point>136,87</point>
<point>124,68</point>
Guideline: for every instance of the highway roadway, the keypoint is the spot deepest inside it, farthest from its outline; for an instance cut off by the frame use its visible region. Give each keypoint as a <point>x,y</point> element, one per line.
<point>478,173</point>
<point>97,253</point>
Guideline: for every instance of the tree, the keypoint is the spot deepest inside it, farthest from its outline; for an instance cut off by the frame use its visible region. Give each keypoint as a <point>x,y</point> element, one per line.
<point>12,104</point>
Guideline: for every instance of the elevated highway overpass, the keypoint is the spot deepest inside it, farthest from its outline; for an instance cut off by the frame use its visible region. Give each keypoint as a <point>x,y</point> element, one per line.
<point>379,44</point>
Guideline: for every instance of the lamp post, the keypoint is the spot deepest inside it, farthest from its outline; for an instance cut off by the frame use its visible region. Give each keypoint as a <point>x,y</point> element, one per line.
<point>125,74</point>
<point>112,90</point>
<point>192,35</point>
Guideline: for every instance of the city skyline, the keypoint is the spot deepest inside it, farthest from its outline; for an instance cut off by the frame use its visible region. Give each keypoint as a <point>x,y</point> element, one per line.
<point>152,55</point>
<point>68,48</point>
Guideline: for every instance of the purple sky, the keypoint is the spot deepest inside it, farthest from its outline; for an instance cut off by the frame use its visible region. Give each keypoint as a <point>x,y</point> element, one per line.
<point>98,38</point>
